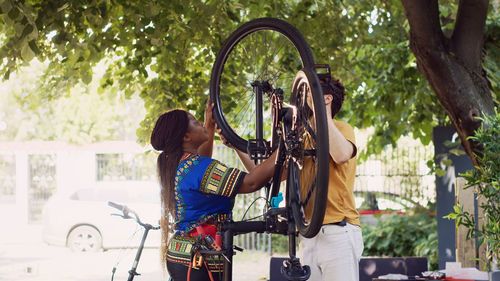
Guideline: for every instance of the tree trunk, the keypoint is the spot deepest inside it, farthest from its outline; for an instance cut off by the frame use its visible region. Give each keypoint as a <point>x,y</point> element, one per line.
<point>453,65</point>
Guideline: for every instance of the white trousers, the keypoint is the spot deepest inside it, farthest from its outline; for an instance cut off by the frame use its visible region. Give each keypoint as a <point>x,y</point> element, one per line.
<point>333,254</point>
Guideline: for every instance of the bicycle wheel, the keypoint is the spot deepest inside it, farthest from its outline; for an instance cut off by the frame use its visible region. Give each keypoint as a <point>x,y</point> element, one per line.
<point>307,145</point>
<point>262,50</point>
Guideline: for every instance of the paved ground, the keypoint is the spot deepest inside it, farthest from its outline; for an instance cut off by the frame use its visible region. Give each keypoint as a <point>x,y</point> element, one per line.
<point>23,256</point>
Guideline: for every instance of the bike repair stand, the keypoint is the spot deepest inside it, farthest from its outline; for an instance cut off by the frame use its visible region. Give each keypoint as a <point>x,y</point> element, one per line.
<point>291,269</point>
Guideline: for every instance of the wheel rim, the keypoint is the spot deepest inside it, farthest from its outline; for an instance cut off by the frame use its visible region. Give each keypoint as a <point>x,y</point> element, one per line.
<point>260,51</point>
<point>308,164</point>
<point>84,240</point>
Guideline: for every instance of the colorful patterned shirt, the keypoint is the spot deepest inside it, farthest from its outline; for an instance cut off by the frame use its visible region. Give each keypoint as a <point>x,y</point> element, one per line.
<point>204,189</point>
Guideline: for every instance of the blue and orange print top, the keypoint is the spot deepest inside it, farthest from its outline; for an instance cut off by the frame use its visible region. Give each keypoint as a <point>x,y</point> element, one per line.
<point>204,189</point>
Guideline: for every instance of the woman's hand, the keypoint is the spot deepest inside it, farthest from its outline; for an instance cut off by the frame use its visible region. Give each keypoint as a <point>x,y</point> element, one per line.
<point>222,138</point>
<point>206,148</point>
<point>209,117</point>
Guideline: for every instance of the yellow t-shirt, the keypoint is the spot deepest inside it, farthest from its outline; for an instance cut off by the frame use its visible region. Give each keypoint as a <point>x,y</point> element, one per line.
<point>340,203</point>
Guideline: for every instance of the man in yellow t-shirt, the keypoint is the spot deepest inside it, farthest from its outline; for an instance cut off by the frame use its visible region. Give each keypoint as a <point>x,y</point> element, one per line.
<point>334,253</point>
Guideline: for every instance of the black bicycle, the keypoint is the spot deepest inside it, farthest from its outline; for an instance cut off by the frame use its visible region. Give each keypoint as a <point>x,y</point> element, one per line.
<point>267,96</point>
<point>127,213</point>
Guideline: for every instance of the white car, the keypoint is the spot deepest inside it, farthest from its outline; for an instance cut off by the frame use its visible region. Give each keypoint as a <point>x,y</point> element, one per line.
<point>83,221</point>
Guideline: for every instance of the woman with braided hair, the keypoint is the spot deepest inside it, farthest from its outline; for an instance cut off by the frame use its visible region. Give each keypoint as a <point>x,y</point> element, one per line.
<point>197,192</point>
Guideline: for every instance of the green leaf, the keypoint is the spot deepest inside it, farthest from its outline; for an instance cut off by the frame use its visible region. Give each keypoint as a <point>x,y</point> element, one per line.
<point>457,152</point>
<point>440,172</point>
<point>26,53</point>
<point>5,6</point>
<point>34,47</point>
<point>447,162</point>
<point>87,77</point>
<point>14,13</point>
<point>28,29</point>
<point>6,75</point>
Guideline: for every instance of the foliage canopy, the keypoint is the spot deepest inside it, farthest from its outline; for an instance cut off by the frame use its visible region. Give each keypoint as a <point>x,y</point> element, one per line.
<point>164,50</point>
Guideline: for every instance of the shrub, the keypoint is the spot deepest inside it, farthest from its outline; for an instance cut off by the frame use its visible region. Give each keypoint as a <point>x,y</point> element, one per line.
<point>403,235</point>
<point>485,179</point>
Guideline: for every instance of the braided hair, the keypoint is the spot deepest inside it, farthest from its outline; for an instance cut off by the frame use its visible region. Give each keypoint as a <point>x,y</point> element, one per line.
<point>167,137</point>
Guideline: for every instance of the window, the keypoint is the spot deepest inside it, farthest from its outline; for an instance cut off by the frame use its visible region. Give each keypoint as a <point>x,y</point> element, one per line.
<point>122,167</point>
<point>7,178</point>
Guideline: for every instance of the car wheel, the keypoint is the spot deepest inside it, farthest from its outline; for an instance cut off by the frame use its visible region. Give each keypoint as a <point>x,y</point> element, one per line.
<point>85,238</point>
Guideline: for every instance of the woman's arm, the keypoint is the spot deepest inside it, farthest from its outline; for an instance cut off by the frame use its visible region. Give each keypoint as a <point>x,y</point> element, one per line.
<point>259,175</point>
<point>206,148</point>
<point>245,159</point>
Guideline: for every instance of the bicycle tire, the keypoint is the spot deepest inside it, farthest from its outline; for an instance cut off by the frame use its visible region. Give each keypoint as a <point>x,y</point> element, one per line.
<point>308,215</point>
<point>244,31</point>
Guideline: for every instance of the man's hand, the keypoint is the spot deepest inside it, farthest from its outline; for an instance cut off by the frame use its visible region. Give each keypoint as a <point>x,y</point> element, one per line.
<point>328,106</point>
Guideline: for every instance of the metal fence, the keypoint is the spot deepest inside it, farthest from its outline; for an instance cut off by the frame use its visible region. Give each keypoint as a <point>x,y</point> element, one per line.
<point>396,172</point>
<point>7,178</point>
<point>401,172</point>
<point>42,183</point>
<point>246,206</point>
<point>125,166</point>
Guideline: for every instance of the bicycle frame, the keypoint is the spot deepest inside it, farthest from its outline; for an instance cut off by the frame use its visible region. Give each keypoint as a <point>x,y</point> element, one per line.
<point>259,149</point>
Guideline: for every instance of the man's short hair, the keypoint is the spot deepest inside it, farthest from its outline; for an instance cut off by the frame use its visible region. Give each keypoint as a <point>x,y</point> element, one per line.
<point>334,88</point>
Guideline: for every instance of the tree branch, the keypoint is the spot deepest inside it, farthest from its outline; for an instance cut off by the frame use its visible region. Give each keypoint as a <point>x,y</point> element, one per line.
<point>425,28</point>
<point>467,38</point>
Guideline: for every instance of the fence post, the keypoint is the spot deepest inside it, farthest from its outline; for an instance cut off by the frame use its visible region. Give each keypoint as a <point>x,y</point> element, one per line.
<point>481,250</point>
<point>466,248</point>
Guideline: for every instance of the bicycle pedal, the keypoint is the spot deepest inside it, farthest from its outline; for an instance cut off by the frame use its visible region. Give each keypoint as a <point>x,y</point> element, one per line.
<point>133,273</point>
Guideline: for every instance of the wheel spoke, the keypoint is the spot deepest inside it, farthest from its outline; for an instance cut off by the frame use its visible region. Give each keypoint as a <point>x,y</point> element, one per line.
<point>247,99</point>
<point>260,51</point>
<point>261,56</point>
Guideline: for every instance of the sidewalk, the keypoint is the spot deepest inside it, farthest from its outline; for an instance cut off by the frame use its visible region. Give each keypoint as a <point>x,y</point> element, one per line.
<point>24,257</point>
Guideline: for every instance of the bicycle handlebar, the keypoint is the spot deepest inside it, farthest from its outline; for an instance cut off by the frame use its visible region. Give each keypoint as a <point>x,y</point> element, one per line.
<point>125,214</point>
<point>124,210</point>
<point>116,206</point>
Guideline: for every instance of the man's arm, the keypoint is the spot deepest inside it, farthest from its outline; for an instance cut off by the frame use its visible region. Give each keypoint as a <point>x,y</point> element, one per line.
<point>341,150</point>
